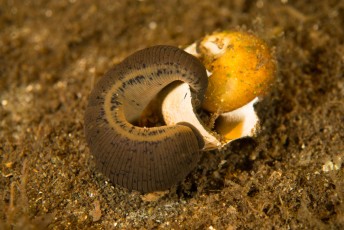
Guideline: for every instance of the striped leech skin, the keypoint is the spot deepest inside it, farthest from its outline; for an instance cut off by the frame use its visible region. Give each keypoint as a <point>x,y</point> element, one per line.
<point>140,158</point>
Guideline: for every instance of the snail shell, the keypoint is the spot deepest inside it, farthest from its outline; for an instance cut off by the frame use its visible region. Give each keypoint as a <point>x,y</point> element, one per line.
<point>139,158</point>
<point>240,67</point>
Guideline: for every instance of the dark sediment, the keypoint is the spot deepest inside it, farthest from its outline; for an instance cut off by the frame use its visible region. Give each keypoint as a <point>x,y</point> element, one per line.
<point>290,176</point>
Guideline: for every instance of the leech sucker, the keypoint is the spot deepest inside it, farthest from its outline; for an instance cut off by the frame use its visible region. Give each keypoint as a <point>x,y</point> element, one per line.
<point>138,158</point>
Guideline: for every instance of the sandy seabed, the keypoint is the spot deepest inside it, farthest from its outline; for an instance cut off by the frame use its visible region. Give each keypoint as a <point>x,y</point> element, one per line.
<point>290,176</point>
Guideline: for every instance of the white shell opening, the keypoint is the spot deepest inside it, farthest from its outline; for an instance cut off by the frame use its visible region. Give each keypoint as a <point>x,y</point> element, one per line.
<point>177,107</point>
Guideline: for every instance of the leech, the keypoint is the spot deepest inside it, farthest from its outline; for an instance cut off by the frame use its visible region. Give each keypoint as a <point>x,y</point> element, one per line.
<point>143,159</point>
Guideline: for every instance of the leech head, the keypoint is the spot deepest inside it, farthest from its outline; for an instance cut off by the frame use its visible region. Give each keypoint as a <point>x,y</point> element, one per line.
<point>138,158</point>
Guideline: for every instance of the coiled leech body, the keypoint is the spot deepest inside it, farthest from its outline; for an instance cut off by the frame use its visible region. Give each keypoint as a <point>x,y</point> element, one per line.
<point>139,158</point>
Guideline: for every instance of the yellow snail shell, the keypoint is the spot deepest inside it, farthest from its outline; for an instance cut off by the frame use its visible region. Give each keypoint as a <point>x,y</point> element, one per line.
<point>240,68</point>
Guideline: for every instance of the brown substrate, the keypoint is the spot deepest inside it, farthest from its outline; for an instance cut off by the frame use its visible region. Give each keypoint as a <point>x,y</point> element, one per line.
<point>290,176</point>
